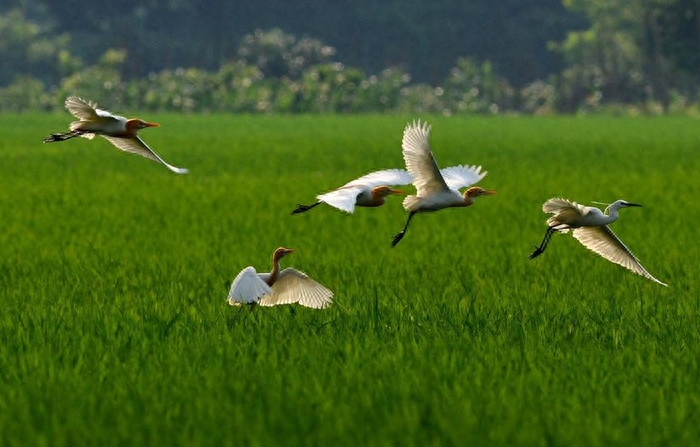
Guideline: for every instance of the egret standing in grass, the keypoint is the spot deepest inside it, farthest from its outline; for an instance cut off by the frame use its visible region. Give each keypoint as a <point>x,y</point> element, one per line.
<point>590,227</point>
<point>287,286</point>
<point>121,132</point>
<point>370,190</point>
<point>435,189</point>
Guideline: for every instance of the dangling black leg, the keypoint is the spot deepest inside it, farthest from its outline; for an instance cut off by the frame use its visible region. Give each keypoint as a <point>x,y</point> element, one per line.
<point>301,208</point>
<point>540,249</point>
<point>400,235</point>
<point>63,136</point>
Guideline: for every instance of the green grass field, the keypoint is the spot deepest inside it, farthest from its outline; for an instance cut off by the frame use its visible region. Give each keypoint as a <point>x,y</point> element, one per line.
<point>114,328</point>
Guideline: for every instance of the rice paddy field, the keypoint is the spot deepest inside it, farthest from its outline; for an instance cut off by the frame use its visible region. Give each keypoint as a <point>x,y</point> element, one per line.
<point>114,272</point>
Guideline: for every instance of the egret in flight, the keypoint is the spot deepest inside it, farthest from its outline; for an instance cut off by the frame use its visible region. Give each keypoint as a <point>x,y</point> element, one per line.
<point>287,286</point>
<point>121,132</point>
<point>590,227</point>
<point>370,190</point>
<point>435,189</point>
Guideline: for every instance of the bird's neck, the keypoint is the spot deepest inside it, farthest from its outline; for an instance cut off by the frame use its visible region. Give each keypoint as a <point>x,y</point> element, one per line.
<point>376,199</point>
<point>275,272</point>
<point>468,200</point>
<point>612,215</point>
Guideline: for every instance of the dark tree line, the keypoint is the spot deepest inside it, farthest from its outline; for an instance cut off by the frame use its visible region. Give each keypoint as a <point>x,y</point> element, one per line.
<point>423,38</point>
<point>533,56</point>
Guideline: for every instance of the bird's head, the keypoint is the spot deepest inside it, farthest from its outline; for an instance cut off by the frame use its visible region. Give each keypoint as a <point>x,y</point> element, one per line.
<point>477,191</point>
<point>138,124</point>
<point>281,252</point>
<point>384,191</point>
<point>620,204</point>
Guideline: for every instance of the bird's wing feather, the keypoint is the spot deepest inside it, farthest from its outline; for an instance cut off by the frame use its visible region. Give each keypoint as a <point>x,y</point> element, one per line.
<point>420,161</point>
<point>565,212</point>
<point>343,198</point>
<point>457,177</point>
<point>136,145</point>
<point>386,177</point>
<point>601,240</point>
<point>557,205</point>
<point>294,286</point>
<point>81,109</point>
<point>247,288</point>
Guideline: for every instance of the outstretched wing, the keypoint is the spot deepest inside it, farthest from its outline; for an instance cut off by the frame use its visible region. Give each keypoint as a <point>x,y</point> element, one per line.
<point>601,240</point>
<point>386,177</point>
<point>91,119</point>
<point>247,288</point>
<point>136,145</point>
<point>457,177</point>
<point>344,198</point>
<point>564,211</point>
<point>294,286</point>
<point>420,161</point>
<point>81,109</point>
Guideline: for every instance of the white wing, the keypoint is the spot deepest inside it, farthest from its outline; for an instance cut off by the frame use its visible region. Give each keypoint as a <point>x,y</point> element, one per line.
<point>557,205</point>
<point>136,145</point>
<point>420,161</point>
<point>565,213</point>
<point>457,177</point>
<point>294,286</point>
<point>81,109</point>
<point>247,288</point>
<point>603,241</point>
<point>386,177</point>
<point>93,120</point>
<point>344,198</point>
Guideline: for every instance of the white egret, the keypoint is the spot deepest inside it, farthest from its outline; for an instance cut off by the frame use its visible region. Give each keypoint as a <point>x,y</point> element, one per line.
<point>590,227</point>
<point>287,286</point>
<point>435,189</point>
<point>370,190</point>
<point>121,132</point>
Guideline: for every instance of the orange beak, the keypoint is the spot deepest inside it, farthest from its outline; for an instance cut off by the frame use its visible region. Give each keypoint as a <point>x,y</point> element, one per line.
<point>488,192</point>
<point>396,191</point>
<point>147,124</point>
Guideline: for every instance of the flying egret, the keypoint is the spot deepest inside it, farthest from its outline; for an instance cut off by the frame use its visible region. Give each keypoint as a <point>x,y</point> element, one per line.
<point>119,131</point>
<point>370,190</point>
<point>590,227</point>
<point>278,287</point>
<point>435,189</point>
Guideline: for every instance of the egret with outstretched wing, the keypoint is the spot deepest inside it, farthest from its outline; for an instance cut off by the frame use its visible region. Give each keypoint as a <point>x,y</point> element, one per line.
<point>370,190</point>
<point>121,132</point>
<point>435,189</point>
<point>589,226</point>
<point>286,286</point>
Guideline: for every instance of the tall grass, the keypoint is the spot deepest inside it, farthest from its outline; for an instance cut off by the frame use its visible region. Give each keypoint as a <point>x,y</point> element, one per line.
<point>114,272</point>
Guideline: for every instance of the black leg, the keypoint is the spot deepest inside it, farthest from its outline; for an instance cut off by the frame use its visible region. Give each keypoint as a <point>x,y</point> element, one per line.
<point>63,136</point>
<point>302,208</point>
<point>543,245</point>
<point>400,235</point>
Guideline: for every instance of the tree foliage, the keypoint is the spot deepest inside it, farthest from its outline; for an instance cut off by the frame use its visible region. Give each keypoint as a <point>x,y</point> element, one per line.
<point>445,57</point>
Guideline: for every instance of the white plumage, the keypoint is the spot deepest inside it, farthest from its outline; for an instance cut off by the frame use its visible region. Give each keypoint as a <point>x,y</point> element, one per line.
<point>589,226</point>
<point>120,131</point>
<point>277,287</point>
<point>435,189</point>
<point>369,190</point>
